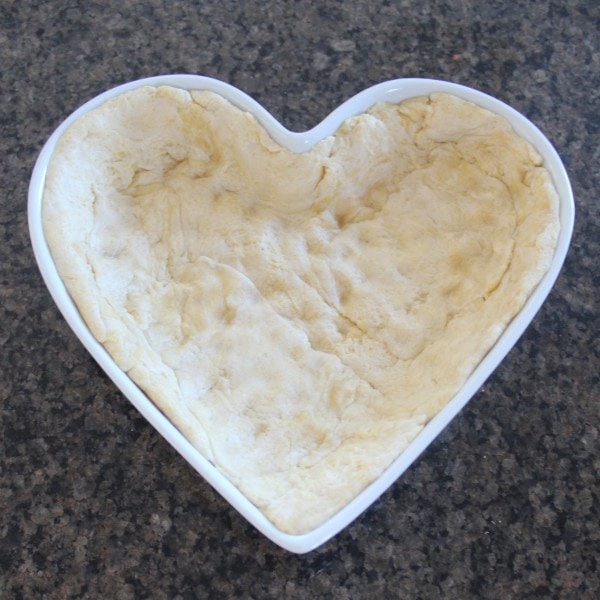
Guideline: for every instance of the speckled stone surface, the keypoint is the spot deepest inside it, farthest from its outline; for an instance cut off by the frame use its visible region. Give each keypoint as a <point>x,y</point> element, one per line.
<point>505,503</point>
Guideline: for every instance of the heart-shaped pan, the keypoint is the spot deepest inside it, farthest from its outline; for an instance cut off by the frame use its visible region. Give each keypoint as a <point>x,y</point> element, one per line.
<point>390,91</point>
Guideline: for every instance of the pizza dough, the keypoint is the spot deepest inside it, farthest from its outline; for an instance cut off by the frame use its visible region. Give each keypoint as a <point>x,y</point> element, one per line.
<point>299,317</point>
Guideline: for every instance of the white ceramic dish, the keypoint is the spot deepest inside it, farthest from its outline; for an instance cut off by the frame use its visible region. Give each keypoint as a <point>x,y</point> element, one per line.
<point>390,91</point>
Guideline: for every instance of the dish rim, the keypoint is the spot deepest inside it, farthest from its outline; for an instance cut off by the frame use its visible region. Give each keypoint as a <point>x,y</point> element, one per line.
<point>394,90</point>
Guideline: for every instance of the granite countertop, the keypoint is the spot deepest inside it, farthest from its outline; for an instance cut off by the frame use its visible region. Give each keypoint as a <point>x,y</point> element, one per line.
<point>504,504</point>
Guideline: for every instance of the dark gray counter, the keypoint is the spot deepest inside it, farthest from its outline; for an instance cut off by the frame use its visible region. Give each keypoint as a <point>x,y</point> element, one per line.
<point>505,504</point>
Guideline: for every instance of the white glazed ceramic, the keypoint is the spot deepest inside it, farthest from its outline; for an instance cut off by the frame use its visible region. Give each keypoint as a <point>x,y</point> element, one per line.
<point>390,91</point>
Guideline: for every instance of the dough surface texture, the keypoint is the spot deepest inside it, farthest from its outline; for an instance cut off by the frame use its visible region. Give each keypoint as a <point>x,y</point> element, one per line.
<point>299,317</point>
